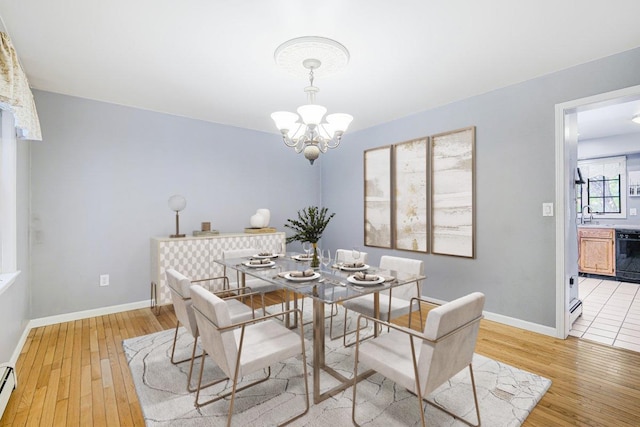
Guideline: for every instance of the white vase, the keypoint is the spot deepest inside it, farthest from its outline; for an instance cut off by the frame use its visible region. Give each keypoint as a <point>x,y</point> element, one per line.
<point>266,215</point>
<point>257,221</point>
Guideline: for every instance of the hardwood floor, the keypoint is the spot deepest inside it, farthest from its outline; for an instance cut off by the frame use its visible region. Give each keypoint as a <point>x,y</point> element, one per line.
<point>75,374</point>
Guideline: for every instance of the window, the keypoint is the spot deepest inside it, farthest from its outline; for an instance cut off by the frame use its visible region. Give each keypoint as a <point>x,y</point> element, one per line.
<point>602,193</point>
<point>8,248</point>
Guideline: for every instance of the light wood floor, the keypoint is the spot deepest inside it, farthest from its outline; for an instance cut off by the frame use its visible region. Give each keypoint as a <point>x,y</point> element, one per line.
<point>75,374</point>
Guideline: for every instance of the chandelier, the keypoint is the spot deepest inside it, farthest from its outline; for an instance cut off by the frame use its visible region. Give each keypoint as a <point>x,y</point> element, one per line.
<point>309,131</point>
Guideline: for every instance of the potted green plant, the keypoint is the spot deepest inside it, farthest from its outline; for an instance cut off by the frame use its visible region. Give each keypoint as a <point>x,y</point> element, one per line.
<point>309,227</point>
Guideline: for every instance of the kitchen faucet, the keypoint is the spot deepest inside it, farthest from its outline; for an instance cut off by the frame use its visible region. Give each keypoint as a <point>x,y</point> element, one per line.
<point>590,208</point>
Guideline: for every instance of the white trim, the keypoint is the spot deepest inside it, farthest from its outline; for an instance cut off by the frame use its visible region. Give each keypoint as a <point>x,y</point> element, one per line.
<point>521,324</point>
<point>52,320</point>
<point>68,317</point>
<point>506,320</point>
<point>7,279</point>
<point>8,196</point>
<point>21,342</point>
<point>563,220</point>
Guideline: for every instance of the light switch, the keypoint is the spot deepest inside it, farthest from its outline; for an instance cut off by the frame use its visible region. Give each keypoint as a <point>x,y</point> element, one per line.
<point>633,212</point>
<point>547,209</point>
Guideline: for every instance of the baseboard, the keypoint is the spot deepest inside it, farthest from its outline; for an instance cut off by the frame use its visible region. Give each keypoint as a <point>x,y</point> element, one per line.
<point>521,324</point>
<point>18,349</point>
<point>68,317</point>
<point>510,321</point>
<point>78,315</point>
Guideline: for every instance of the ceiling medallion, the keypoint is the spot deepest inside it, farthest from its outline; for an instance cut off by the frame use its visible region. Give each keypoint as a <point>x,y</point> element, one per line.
<point>309,131</point>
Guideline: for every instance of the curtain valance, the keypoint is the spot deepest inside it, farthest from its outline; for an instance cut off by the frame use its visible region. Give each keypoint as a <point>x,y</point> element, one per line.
<point>15,94</point>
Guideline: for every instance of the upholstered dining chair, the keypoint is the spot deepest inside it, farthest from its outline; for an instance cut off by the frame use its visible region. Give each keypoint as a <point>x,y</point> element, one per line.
<point>256,285</point>
<point>421,362</point>
<point>242,348</point>
<point>344,256</point>
<point>179,286</point>
<point>393,302</point>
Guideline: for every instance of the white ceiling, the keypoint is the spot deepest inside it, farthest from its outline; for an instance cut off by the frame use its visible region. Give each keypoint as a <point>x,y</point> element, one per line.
<point>213,59</point>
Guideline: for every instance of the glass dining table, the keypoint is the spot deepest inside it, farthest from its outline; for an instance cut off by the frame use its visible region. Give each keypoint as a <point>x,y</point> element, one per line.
<point>328,285</point>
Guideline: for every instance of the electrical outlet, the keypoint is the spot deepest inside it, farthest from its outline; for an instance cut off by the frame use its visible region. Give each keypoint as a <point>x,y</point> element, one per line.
<point>633,212</point>
<point>104,280</point>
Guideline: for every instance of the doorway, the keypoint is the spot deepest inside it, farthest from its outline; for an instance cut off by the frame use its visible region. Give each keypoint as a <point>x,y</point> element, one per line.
<point>566,229</point>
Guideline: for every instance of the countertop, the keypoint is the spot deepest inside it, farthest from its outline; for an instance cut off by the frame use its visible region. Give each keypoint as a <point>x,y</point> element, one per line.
<point>600,224</point>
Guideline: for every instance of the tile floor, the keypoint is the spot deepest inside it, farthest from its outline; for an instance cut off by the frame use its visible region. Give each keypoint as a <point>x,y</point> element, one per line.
<point>611,313</point>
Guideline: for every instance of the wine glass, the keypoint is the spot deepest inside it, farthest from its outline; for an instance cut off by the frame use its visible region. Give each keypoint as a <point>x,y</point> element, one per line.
<point>355,254</point>
<point>306,247</point>
<point>325,257</point>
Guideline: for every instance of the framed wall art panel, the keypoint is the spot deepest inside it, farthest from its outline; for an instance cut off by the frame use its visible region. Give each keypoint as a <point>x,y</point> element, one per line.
<point>377,197</point>
<point>452,193</point>
<point>410,195</point>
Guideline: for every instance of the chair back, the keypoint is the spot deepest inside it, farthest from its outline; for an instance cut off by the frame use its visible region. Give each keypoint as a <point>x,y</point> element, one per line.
<point>443,359</point>
<point>410,266</point>
<point>181,298</point>
<point>238,253</point>
<point>346,255</point>
<point>211,314</point>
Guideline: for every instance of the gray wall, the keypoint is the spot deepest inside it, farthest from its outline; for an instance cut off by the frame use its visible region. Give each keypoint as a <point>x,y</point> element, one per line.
<point>101,179</point>
<point>515,174</point>
<point>14,302</point>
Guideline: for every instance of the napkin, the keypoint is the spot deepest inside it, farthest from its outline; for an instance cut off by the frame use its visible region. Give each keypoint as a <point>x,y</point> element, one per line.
<point>363,277</point>
<point>296,273</point>
<point>353,264</point>
<point>259,261</point>
<point>306,273</point>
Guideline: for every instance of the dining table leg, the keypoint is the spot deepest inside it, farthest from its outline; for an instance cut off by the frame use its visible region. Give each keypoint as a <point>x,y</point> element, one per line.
<point>318,346</point>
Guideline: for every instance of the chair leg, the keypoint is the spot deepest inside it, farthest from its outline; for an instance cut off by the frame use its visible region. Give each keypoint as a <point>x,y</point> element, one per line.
<point>330,316</point>
<point>345,333</point>
<point>197,402</point>
<point>475,400</point>
<point>173,349</point>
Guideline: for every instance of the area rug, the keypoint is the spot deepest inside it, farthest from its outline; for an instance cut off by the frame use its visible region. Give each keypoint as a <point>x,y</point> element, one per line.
<point>506,394</point>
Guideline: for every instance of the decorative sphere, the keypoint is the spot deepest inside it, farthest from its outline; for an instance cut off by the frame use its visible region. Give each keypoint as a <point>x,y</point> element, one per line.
<point>311,152</point>
<point>177,203</point>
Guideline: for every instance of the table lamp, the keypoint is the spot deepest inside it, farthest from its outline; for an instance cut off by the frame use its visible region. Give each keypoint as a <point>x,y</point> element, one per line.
<point>177,203</point>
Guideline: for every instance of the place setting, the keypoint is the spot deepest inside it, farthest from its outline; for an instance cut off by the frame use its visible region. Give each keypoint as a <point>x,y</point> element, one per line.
<point>300,275</point>
<point>260,263</point>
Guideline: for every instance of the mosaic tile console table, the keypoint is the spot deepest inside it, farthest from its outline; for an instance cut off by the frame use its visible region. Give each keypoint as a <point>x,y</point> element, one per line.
<point>193,256</point>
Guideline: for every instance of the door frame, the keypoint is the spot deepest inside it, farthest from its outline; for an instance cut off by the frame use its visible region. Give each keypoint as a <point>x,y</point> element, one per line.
<point>566,163</point>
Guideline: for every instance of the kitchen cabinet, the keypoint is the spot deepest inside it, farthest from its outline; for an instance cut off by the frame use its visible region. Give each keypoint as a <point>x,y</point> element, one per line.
<point>596,248</point>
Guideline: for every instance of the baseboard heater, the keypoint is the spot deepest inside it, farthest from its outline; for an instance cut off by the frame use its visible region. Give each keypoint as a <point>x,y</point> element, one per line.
<point>575,310</point>
<point>8,383</point>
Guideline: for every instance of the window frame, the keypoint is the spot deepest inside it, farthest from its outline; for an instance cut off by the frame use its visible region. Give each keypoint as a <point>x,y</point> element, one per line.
<point>584,197</point>
<point>8,194</point>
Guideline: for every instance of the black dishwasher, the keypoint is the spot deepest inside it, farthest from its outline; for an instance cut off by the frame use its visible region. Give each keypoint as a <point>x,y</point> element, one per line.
<point>628,255</point>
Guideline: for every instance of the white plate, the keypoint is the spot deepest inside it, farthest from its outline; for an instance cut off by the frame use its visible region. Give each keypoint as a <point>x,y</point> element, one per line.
<point>265,256</point>
<point>301,279</point>
<point>302,258</point>
<point>355,281</point>
<point>269,264</point>
<point>364,267</point>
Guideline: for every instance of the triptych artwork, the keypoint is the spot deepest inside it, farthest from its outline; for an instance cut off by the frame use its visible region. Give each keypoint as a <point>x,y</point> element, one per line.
<point>419,194</point>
